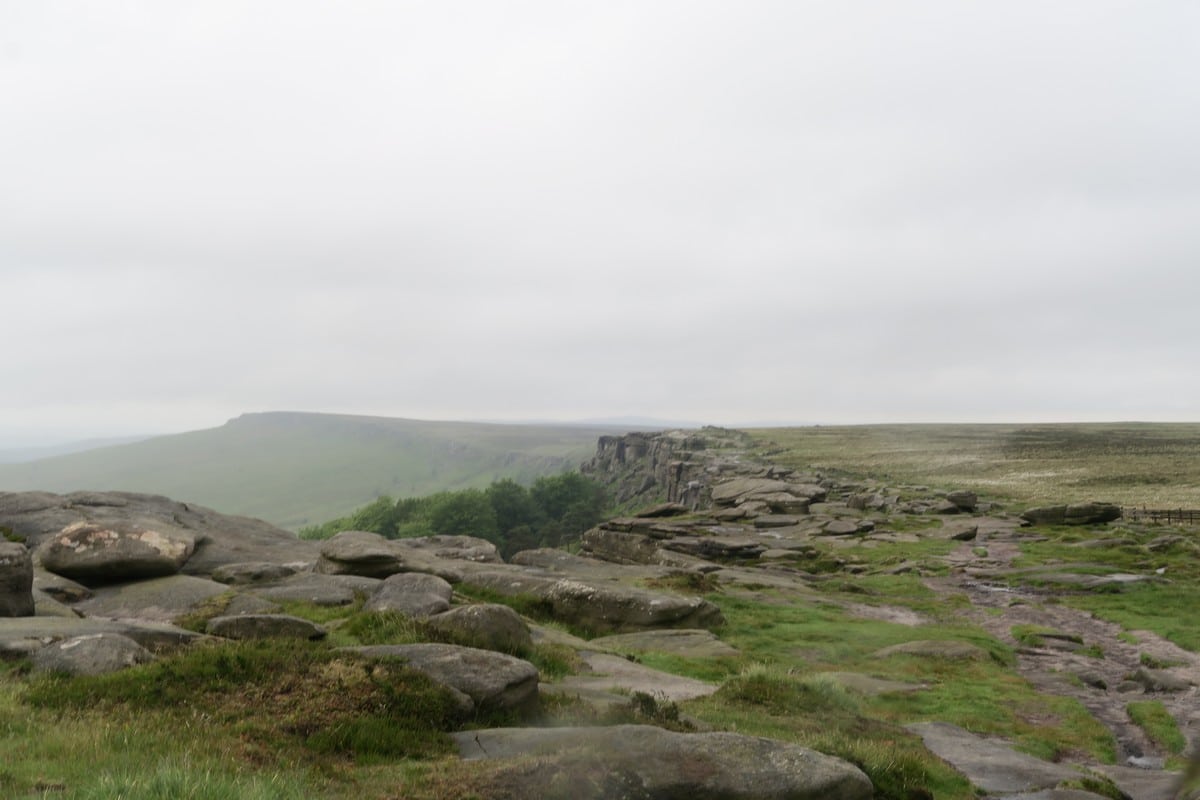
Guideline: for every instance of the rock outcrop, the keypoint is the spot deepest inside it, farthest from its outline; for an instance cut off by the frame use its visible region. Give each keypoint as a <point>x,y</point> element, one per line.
<point>219,539</point>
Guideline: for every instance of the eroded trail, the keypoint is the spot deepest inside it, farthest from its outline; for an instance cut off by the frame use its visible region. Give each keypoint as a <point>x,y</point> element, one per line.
<point>1088,659</point>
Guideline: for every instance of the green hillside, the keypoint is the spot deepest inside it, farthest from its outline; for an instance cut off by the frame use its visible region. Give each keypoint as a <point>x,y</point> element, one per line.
<point>296,469</point>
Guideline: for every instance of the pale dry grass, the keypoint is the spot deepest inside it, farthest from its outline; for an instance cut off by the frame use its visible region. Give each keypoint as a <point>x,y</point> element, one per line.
<point>1156,465</point>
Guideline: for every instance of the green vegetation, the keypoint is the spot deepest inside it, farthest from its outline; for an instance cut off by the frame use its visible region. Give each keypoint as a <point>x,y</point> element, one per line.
<point>1151,464</point>
<point>1153,718</point>
<point>554,511</point>
<point>295,469</point>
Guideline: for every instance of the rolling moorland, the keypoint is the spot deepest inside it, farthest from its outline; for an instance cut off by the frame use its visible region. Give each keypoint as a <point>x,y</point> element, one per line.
<point>870,593</point>
<point>298,469</point>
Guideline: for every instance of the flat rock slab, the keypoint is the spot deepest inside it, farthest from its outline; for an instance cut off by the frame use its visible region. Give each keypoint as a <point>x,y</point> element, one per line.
<point>158,599</point>
<point>153,636</point>
<point>648,762</point>
<point>493,681</point>
<point>990,764</point>
<point>689,643</point>
<point>609,673</point>
<point>320,590</point>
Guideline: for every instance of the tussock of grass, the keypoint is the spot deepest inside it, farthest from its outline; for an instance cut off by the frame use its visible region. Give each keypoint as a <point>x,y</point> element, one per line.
<point>1153,718</point>
<point>321,698</point>
<point>180,780</point>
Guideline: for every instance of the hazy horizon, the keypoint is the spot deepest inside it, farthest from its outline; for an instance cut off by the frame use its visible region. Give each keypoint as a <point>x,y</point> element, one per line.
<point>853,213</point>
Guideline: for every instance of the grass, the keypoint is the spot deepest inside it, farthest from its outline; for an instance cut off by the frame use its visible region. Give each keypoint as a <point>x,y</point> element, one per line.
<point>770,701</point>
<point>1151,464</point>
<point>1153,718</point>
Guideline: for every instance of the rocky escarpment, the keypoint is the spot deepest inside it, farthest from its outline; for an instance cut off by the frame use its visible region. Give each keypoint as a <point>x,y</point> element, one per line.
<point>708,521</point>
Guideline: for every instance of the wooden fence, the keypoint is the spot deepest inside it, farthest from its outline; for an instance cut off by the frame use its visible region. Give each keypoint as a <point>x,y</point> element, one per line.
<point>1168,515</point>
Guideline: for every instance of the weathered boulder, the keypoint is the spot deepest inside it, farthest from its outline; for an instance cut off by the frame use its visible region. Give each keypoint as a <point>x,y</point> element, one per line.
<point>488,626</point>
<point>115,552</point>
<point>648,762</point>
<point>963,499</point>
<point>264,626</point>
<point>219,538</point>
<point>493,681</point>
<point>90,654</point>
<point>16,580</point>
<point>359,553</point>
<point>1077,514</point>
<point>413,593</point>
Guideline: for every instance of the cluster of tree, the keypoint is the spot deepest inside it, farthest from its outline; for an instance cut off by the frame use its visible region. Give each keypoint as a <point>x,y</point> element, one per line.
<point>552,512</point>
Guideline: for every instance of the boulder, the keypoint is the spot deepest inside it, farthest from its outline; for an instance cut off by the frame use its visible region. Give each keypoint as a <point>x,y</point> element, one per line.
<point>90,654</point>
<point>359,553</point>
<point>16,580</point>
<point>649,762</point>
<point>114,552</point>
<point>963,499</point>
<point>264,626</point>
<point>219,538</point>
<point>493,681</point>
<point>413,593</point>
<point>1077,514</point>
<point>488,626</point>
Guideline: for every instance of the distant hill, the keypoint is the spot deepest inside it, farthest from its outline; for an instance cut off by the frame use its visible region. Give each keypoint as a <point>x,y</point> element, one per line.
<point>14,455</point>
<point>296,469</point>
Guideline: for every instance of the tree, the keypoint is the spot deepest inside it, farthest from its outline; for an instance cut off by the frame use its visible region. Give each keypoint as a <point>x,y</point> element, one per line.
<point>465,513</point>
<point>514,506</point>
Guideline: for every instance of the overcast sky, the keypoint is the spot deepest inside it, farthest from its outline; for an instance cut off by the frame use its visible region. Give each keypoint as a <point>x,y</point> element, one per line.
<point>728,212</point>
